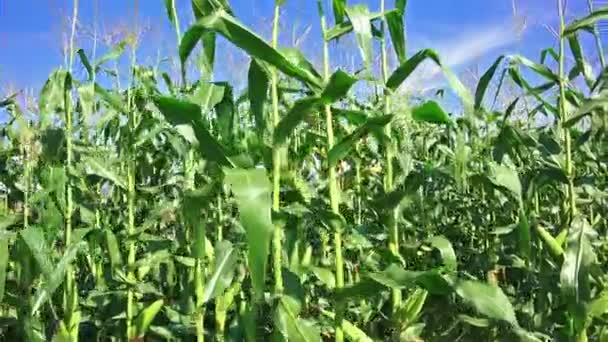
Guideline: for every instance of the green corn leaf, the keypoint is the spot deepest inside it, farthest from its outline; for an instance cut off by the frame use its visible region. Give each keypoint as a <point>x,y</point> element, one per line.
<point>394,21</point>
<point>345,27</point>
<point>582,66</point>
<point>507,178</point>
<point>113,249</point>
<point>524,239</point>
<point>297,58</point>
<point>293,327</point>
<point>578,257</point>
<point>487,299</point>
<point>52,96</point>
<point>337,87</point>
<point>431,112</point>
<point>224,24</point>
<point>112,99</point>
<point>114,53</point>
<point>223,272</point>
<point>406,68</point>
<point>359,17</point>
<point>38,247</point>
<point>413,306</point>
<point>599,306</point>
<point>179,112</point>
<point>484,82</point>
<point>298,113</point>
<point>351,331</point>
<point>86,63</point>
<point>395,277</point>
<point>170,8</point>
<point>586,22</point>
<point>341,149</point>
<point>444,246</point>
<point>146,316</point>
<point>251,189</point>
<point>259,82</point>
<point>540,69</point>
<point>53,279</point>
<point>101,168</point>
<point>207,95</point>
<point>339,7</point>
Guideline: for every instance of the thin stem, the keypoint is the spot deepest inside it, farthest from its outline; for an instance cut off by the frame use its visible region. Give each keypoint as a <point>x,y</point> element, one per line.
<point>569,170</point>
<point>276,164</point>
<point>131,175</point>
<point>333,187</point>
<point>70,293</point>
<point>393,243</point>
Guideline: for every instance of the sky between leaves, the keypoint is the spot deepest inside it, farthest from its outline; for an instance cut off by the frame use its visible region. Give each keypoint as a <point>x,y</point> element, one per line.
<point>468,34</point>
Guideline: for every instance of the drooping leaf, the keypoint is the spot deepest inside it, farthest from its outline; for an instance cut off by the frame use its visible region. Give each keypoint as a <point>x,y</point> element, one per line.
<point>101,168</point>
<point>484,82</point>
<point>339,7</point>
<point>338,86</point>
<point>53,279</point>
<point>396,277</point>
<point>292,327</point>
<point>578,257</point>
<point>488,300</point>
<point>146,316</point>
<point>52,96</point>
<point>251,189</point>
<point>396,28</point>
<point>586,22</point>
<point>298,112</point>
<point>179,112</point>
<point>359,17</point>
<point>444,246</point>
<point>224,24</point>
<point>351,331</point>
<point>223,272</point>
<point>431,112</point>
<point>507,178</point>
<point>341,149</point>
<point>259,82</point>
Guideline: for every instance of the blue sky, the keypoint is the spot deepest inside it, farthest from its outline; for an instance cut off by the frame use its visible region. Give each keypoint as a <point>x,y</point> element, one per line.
<point>466,33</point>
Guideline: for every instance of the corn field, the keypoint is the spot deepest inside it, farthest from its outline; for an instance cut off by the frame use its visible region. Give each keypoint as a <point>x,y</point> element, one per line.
<point>316,204</point>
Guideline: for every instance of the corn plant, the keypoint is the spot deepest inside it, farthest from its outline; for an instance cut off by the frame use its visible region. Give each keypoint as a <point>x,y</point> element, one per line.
<point>313,204</point>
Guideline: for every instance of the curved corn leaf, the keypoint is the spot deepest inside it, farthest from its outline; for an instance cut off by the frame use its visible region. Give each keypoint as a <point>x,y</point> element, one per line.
<point>351,331</point>
<point>444,246</point>
<point>292,327</point>
<point>359,17</point>
<point>484,82</point>
<point>53,279</point>
<point>298,112</point>
<point>259,82</point>
<point>223,272</point>
<point>146,316</point>
<point>341,149</point>
<point>224,24</point>
<point>586,22</point>
<point>339,7</point>
<point>251,189</point>
<point>431,112</point>
<point>407,68</point>
<point>179,112</point>
<point>396,28</point>
<point>488,300</point>
<point>396,277</point>
<point>337,87</point>
<point>578,257</point>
